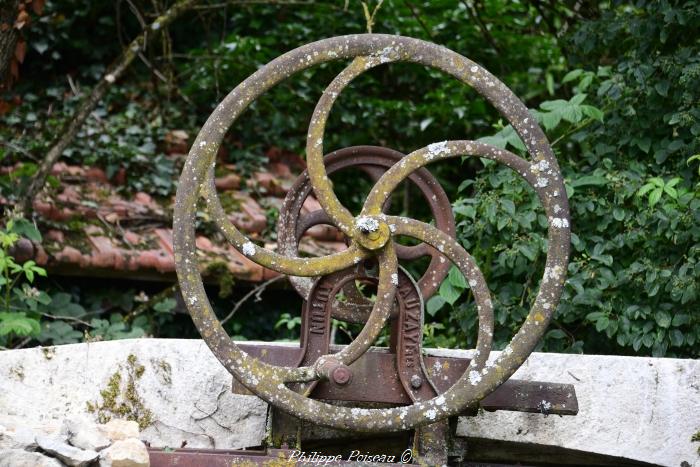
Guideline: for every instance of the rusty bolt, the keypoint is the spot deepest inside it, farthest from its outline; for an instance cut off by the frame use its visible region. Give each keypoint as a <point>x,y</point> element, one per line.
<point>342,375</point>
<point>416,381</point>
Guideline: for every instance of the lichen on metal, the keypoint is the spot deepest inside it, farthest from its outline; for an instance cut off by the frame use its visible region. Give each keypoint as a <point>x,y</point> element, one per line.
<point>371,235</point>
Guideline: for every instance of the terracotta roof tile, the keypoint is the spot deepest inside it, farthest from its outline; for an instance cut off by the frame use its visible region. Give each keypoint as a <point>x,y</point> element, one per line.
<point>96,230</point>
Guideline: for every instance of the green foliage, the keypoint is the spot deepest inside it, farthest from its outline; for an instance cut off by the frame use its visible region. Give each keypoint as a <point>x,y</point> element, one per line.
<point>633,278</point>
<point>18,300</point>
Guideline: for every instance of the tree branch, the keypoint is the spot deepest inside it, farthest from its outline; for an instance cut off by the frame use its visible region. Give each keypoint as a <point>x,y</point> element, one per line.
<point>88,104</point>
<point>257,291</point>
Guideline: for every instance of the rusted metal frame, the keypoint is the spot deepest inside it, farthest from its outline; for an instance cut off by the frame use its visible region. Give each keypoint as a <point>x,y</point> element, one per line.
<point>378,364</point>
<point>359,309</point>
<point>366,157</point>
<point>386,291</point>
<point>429,441</point>
<point>409,343</point>
<point>202,156</point>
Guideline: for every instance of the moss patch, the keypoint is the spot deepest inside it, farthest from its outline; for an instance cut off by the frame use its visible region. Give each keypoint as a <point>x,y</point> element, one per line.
<point>120,399</point>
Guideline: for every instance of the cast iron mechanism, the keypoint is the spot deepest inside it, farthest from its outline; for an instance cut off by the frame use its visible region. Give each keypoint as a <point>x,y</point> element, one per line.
<point>424,391</point>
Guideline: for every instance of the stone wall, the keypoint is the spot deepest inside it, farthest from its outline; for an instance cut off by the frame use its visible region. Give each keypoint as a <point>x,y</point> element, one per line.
<point>633,409</point>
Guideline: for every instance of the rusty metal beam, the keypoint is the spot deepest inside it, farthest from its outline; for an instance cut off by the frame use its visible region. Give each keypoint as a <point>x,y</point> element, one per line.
<point>377,370</point>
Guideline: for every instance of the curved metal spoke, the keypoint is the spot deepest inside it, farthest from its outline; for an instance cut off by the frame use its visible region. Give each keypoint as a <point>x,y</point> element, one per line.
<point>540,176</point>
<point>469,269</point>
<point>323,189</point>
<point>304,267</point>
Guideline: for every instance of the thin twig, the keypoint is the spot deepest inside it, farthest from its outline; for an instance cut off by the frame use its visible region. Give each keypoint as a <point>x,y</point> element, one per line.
<point>215,6</point>
<point>19,149</point>
<point>153,69</point>
<point>370,17</point>
<point>22,343</point>
<point>67,318</point>
<point>473,12</point>
<point>154,300</point>
<point>74,89</point>
<point>256,291</point>
<point>416,15</point>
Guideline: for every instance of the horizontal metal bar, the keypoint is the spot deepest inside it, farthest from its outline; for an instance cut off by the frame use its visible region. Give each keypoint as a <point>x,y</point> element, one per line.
<point>374,379</point>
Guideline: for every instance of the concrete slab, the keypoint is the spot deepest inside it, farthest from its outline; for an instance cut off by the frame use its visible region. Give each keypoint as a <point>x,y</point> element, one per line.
<point>635,409</point>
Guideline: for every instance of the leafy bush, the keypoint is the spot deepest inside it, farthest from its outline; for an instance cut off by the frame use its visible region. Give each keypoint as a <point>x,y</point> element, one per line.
<point>635,206</point>
<point>18,299</point>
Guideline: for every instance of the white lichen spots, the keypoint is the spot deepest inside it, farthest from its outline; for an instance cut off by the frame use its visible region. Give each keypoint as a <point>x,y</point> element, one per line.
<point>431,414</point>
<point>436,149</point>
<point>442,259</point>
<point>202,144</point>
<point>472,283</point>
<point>367,224</point>
<point>541,182</point>
<point>541,166</point>
<point>392,228</point>
<point>110,78</point>
<point>440,400</point>
<point>474,377</point>
<point>248,248</point>
<point>357,412</point>
<point>508,350</point>
<point>557,209</point>
<point>474,69</point>
<point>560,222</point>
<point>395,279</point>
<point>193,300</point>
<point>545,405</point>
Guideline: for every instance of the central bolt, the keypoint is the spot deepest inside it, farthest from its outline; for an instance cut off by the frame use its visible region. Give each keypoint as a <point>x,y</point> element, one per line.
<point>367,225</point>
<point>372,233</point>
<point>341,375</point>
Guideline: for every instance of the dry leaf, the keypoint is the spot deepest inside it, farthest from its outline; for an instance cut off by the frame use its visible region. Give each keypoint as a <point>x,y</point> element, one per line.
<point>22,19</point>
<point>38,6</point>
<point>20,51</point>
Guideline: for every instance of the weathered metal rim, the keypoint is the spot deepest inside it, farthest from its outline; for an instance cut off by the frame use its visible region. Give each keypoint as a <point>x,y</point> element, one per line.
<point>262,379</point>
